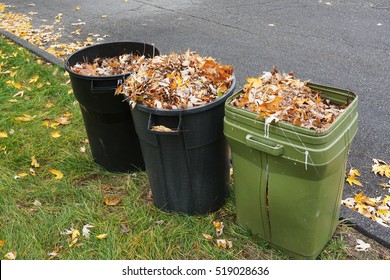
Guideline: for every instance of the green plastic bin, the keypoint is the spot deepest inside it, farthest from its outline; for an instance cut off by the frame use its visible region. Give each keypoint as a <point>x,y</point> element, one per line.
<point>288,179</point>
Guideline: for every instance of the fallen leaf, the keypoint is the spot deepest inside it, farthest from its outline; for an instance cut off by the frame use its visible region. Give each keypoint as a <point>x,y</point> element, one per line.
<point>20,175</point>
<point>82,149</point>
<point>55,252</point>
<point>49,123</point>
<point>55,134</point>
<point>351,179</point>
<point>102,236</point>
<point>162,128</point>
<point>24,118</point>
<point>34,162</point>
<point>160,222</point>
<point>362,246</point>
<point>223,243</point>
<point>37,203</point>
<point>58,174</point>
<point>10,256</point>
<point>124,228</point>
<point>218,227</point>
<point>86,231</point>
<point>2,243</point>
<point>207,236</point>
<point>112,201</point>
<point>63,120</point>
<point>3,135</point>
<point>33,79</point>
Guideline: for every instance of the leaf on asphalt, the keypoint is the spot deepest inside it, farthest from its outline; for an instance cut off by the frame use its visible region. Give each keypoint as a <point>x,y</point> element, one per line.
<point>77,8</point>
<point>102,236</point>
<point>3,134</point>
<point>24,118</point>
<point>351,178</point>
<point>362,246</point>
<point>55,134</point>
<point>20,175</point>
<point>385,185</point>
<point>10,255</point>
<point>380,167</point>
<point>112,201</point>
<point>58,174</point>
<point>34,162</point>
<point>86,230</point>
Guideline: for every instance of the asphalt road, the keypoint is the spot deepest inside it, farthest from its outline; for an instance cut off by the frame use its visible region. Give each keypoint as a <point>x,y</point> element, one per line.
<point>341,43</point>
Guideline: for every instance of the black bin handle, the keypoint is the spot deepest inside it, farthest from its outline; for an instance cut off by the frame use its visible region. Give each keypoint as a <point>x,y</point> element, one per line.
<point>173,131</point>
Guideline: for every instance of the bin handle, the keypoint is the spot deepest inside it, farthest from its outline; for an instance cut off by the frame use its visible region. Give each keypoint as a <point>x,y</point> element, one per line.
<point>264,145</point>
<point>97,89</point>
<point>168,131</point>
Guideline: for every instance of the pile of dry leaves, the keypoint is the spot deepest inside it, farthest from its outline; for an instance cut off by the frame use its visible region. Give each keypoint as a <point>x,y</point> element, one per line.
<point>108,66</point>
<point>279,96</point>
<point>177,81</point>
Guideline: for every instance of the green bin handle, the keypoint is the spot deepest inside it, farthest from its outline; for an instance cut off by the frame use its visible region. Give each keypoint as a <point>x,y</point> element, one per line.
<point>264,145</point>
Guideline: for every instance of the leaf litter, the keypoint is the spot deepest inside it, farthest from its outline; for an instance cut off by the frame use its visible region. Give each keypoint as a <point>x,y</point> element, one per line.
<point>278,96</point>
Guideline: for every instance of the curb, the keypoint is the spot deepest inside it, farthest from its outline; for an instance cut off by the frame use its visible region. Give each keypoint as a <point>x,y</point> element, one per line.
<point>366,226</point>
<point>34,49</point>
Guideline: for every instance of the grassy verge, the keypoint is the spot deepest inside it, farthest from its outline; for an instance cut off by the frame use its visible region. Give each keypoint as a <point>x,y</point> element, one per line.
<point>36,208</point>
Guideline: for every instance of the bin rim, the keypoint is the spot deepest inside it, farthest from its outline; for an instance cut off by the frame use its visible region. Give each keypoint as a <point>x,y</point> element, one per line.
<point>289,126</point>
<point>188,111</point>
<point>86,77</point>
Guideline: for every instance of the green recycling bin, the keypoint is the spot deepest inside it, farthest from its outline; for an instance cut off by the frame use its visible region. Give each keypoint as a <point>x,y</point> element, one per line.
<point>288,179</point>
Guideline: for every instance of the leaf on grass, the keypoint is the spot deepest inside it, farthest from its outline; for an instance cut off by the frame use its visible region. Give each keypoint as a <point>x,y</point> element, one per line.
<point>102,236</point>
<point>63,120</point>
<point>351,179</point>
<point>10,256</point>
<point>86,231</point>
<point>34,162</point>
<point>207,236</point>
<point>55,252</point>
<point>218,227</point>
<point>37,203</point>
<point>3,134</point>
<point>2,243</point>
<point>20,175</point>
<point>55,134</point>
<point>362,246</point>
<point>82,149</point>
<point>224,243</point>
<point>58,174</point>
<point>32,171</point>
<point>49,123</point>
<point>112,201</point>
<point>33,79</point>
<point>24,118</point>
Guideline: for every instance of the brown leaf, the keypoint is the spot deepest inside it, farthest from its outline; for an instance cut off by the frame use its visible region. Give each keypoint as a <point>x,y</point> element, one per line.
<point>112,201</point>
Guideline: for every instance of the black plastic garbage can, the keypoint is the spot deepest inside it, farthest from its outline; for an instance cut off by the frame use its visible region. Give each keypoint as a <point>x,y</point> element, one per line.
<point>107,118</point>
<point>188,168</point>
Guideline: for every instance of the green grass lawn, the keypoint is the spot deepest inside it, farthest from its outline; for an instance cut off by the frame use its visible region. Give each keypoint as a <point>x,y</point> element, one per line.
<point>35,207</point>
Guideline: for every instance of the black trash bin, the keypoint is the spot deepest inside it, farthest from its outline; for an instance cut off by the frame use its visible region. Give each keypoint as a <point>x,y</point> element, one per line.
<point>107,118</point>
<point>188,168</point>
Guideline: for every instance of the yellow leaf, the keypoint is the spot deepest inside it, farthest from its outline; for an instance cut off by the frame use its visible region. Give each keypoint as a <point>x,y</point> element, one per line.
<point>33,79</point>
<point>55,134</point>
<point>104,16</point>
<point>75,234</point>
<point>383,170</point>
<point>224,243</point>
<point>252,82</point>
<point>353,181</point>
<point>2,243</point>
<point>102,236</point>
<point>58,174</point>
<point>20,175</point>
<point>112,201</point>
<point>354,172</point>
<point>74,241</point>
<point>25,118</point>
<point>3,135</point>
<point>10,256</point>
<point>77,8</point>
<point>49,123</point>
<point>34,162</point>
